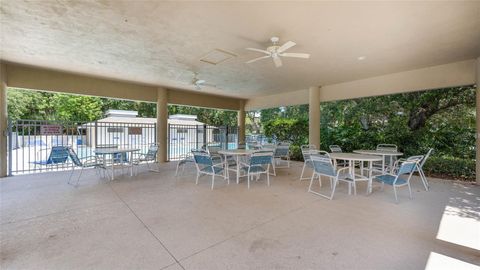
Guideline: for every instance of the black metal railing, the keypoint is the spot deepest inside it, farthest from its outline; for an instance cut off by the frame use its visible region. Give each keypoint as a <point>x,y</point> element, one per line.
<point>183,138</point>
<point>30,141</point>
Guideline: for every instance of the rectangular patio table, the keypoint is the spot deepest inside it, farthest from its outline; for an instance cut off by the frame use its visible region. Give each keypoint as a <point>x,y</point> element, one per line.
<point>351,158</point>
<point>112,152</point>
<point>236,153</point>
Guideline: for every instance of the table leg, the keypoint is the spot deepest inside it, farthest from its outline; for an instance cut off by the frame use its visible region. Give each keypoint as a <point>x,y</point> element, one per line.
<point>238,168</point>
<point>351,171</point>
<point>131,164</point>
<point>370,179</point>
<point>113,166</point>
<point>227,174</point>
<point>353,180</point>
<point>391,163</point>
<point>383,165</point>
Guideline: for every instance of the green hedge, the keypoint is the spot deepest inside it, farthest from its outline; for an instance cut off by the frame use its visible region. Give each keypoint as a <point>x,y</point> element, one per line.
<point>450,167</point>
<point>296,131</point>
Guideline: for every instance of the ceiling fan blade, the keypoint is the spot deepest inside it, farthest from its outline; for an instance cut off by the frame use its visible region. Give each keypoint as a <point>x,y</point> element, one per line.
<point>258,50</point>
<point>256,59</point>
<point>286,46</point>
<point>277,61</point>
<point>298,55</point>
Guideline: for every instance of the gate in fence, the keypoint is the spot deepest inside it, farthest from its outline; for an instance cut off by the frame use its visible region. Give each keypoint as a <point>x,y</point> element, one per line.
<point>30,141</point>
<point>183,138</point>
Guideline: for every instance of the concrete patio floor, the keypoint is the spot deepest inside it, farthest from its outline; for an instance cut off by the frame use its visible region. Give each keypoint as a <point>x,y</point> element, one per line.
<point>157,221</point>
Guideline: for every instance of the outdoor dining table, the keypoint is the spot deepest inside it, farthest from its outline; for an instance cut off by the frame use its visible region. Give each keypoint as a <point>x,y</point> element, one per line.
<point>352,158</point>
<point>114,151</point>
<point>381,153</point>
<point>236,153</point>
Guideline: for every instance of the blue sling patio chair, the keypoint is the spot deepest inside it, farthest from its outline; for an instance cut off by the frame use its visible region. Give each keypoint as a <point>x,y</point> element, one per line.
<point>420,171</point>
<point>259,163</point>
<point>281,152</point>
<point>58,155</point>
<point>307,152</point>
<point>188,159</point>
<point>402,173</point>
<point>337,149</point>
<point>206,166</point>
<point>85,162</point>
<point>323,166</point>
<point>149,158</point>
<point>389,161</point>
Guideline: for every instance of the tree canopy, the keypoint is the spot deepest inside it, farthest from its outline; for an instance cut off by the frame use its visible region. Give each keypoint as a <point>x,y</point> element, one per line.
<point>442,119</point>
<point>35,105</point>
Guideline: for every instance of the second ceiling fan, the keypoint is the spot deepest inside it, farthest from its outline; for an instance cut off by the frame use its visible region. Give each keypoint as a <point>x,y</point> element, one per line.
<point>276,51</point>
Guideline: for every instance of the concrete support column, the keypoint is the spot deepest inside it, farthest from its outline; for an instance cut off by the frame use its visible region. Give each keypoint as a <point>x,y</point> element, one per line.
<point>162,124</point>
<point>477,163</point>
<point>241,122</point>
<point>3,120</point>
<point>314,116</point>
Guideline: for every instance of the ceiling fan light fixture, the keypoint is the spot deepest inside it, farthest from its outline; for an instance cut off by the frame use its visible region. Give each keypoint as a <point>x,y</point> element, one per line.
<point>276,52</point>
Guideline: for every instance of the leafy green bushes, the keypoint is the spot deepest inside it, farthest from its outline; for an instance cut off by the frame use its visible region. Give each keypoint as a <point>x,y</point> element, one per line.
<point>450,167</point>
<point>443,119</point>
<point>292,130</point>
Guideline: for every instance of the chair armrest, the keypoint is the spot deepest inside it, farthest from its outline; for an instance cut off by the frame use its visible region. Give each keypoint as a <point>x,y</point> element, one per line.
<point>391,174</point>
<point>220,164</point>
<point>244,164</point>
<point>89,157</point>
<point>342,169</point>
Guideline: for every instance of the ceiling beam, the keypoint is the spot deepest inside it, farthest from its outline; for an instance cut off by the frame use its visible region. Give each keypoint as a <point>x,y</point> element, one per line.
<point>435,77</point>
<point>35,78</point>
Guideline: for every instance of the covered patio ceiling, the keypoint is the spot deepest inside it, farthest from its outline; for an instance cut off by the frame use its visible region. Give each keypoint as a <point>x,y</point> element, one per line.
<point>160,43</point>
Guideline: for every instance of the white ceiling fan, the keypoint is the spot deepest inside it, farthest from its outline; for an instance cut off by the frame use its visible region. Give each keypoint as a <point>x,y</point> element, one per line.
<point>276,51</point>
<point>198,83</point>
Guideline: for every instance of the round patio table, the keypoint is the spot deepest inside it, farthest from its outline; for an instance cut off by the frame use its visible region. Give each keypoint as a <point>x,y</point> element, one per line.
<point>351,158</point>
<point>384,154</point>
<point>236,153</point>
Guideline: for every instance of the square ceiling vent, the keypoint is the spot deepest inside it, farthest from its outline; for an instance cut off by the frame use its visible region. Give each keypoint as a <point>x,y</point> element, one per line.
<point>217,56</point>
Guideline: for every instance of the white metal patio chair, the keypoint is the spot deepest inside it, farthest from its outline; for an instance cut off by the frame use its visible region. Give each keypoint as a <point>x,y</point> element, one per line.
<point>259,163</point>
<point>389,161</point>
<point>323,166</point>
<point>281,152</point>
<point>216,157</point>
<point>205,166</point>
<point>148,158</point>
<point>269,152</point>
<point>403,173</point>
<point>337,149</point>
<point>85,162</point>
<point>187,159</point>
<point>307,151</point>
<point>419,167</point>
